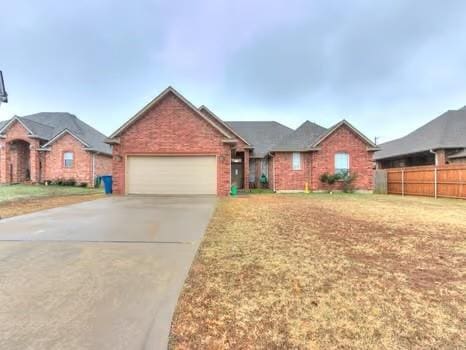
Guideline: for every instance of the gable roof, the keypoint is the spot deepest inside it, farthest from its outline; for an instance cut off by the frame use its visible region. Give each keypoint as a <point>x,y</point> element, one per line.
<point>214,117</point>
<point>261,135</point>
<point>65,131</point>
<point>309,135</point>
<point>7,123</point>
<point>167,91</point>
<point>48,125</point>
<point>344,122</point>
<point>446,131</point>
<point>301,139</point>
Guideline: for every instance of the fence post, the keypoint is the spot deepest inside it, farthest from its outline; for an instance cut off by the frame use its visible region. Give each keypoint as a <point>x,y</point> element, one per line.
<point>435,183</point>
<point>402,182</point>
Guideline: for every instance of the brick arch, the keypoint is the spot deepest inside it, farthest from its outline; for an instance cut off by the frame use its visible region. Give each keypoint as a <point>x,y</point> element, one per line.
<point>23,139</point>
<point>19,160</point>
<point>16,131</point>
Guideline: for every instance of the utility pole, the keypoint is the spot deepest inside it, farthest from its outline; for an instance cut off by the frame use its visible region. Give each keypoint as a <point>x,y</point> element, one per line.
<point>3,94</point>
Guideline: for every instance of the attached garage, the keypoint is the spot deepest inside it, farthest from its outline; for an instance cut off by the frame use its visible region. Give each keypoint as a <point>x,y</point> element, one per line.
<point>171,148</point>
<point>166,175</point>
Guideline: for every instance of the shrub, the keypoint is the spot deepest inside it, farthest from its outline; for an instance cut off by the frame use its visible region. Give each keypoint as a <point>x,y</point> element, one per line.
<point>348,179</point>
<point>58,182</point>
<point>82,184</point>
<point>329,180</point>
<point>69,182</point>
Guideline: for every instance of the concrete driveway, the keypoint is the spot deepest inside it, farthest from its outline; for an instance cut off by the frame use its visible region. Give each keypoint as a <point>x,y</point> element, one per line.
<point>104,274</point>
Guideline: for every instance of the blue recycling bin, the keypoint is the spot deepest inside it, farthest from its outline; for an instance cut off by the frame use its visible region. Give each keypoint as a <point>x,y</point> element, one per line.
<point>107,179</point>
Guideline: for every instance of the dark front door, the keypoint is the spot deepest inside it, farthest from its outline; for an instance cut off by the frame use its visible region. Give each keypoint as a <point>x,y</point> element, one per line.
<point>237,174</point>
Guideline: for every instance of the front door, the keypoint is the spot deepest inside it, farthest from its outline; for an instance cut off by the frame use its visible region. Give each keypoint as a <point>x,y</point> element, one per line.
<point>237,173</point>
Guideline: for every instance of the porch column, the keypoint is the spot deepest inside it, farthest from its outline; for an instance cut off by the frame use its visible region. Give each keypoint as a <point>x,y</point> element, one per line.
<point>3,162</point>
<point>258,171</point>
<point>34,161</point>
<point>246,169</point>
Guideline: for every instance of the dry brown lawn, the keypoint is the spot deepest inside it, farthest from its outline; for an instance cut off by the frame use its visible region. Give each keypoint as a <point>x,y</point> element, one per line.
<point>324,272</point>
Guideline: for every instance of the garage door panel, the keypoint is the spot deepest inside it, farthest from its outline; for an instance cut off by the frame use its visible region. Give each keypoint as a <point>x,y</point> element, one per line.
<point>172,175</point>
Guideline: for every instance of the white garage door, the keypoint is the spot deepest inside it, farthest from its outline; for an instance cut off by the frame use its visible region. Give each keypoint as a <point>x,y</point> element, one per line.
<point>172,175</point>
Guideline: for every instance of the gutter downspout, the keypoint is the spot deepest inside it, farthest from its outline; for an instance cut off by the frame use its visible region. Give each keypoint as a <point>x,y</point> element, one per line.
<point>435,154</point>
<point>273,172</point>
<point>93,170</point>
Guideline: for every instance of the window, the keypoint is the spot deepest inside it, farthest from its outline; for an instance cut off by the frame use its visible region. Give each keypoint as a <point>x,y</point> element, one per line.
<point>341,163</point>
<point>68,158</point>
<point>296,161</point>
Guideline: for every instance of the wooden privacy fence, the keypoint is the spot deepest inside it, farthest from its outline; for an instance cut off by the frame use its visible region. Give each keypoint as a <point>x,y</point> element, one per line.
<point>446,181</point>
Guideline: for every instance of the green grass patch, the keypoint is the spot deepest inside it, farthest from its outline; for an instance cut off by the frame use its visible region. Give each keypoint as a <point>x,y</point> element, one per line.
<point>16,192</point>
<point>261,191</point>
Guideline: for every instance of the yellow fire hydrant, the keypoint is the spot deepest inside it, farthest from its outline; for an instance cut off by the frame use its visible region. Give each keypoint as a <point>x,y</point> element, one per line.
<point>306,187</point>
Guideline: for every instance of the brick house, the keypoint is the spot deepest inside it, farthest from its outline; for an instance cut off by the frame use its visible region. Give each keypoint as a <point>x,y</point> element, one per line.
<point>441,141</point>
<point>172,147</point>
<point>49,146</point>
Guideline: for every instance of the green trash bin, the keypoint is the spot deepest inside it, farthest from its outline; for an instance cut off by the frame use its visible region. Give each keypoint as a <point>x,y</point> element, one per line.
<point>234,190</point>
<point>98,181</point>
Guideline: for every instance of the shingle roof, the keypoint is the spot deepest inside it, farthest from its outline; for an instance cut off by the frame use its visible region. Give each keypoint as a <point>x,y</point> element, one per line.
<point>445,131</point>
<point>47,125</point>
<point>208,113</point>
<point>460,154</point>
<point>301,139</point>
<point>262,135</point>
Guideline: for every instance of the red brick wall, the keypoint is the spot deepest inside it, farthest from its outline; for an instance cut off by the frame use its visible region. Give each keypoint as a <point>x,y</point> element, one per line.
<point>103,165</point>
<point>54,164</point>
<point>49,165</point>
<point>19,160</point>
<point>441,157</point>
<point>171,127</point>
<point>271,173</point>
<point>313,164</point>
<point>285,177</point>
<point>343,140</point>
<point>17,132</point>
<point>246,169</point>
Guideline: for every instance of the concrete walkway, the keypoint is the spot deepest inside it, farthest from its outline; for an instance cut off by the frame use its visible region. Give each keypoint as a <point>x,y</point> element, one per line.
<point>104,274</point>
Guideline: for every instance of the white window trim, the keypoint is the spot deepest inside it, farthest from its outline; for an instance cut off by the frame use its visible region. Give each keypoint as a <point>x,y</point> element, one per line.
<point>293,161</point>
<point>347,162</point>
<point>65,159</point>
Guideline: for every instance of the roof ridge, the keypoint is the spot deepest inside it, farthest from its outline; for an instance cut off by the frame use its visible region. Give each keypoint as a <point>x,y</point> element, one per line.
<point>307,121</point>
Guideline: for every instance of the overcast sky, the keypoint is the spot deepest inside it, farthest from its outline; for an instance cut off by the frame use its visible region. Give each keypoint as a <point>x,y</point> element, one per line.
<point>386,66</point>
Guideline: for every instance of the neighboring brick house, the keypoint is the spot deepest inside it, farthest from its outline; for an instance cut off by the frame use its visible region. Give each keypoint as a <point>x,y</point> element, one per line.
<point>172,147</point>
<point>50,146</point>
<point>441,141</point>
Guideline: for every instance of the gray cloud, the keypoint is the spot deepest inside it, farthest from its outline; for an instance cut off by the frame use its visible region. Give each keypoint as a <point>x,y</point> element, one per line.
<point>396,62</point>
<point>346,51</point>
